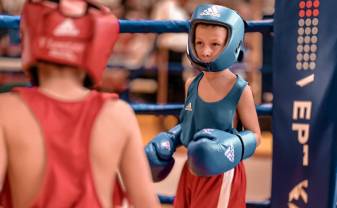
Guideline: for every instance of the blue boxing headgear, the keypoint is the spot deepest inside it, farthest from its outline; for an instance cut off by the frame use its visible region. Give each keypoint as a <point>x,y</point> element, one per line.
<point>222,16</point>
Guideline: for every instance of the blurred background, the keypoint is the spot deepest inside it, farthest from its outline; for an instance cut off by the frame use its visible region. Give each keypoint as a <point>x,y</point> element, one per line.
<point>151,68</point>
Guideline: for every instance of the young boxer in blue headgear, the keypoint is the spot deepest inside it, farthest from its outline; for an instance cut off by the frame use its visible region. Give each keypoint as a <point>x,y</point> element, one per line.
<point>216,99</point>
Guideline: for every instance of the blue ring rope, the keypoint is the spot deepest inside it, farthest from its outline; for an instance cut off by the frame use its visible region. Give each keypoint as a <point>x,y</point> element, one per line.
<point>174,109</point>
<point>151,26</point>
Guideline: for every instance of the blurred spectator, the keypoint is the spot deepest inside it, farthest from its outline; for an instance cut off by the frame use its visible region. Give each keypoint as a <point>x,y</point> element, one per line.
<point>12,7</point>
<point>133,51</point>
<point>171,49</point>
<point>10,38</point>
<point>10,72</point>
<point>253,45</point>
<point>267,68</point>
<point>171,10</point>
<point>250,67</point>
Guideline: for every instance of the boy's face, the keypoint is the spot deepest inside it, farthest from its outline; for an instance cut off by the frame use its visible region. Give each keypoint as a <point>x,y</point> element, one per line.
<point>209,41</point>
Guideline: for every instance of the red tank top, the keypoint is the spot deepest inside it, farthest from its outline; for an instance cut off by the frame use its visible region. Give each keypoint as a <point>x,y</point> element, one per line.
<point>66,127</point>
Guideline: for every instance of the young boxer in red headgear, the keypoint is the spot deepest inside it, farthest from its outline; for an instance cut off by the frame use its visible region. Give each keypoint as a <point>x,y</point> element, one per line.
<point>62,143</point>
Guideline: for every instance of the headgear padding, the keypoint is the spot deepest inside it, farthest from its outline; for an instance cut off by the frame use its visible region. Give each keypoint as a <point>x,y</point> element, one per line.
<point>222,16</point>
<point>78,33</point>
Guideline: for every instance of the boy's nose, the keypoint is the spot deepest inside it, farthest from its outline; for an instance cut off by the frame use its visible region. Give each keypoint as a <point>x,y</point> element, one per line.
<point>206,52</point>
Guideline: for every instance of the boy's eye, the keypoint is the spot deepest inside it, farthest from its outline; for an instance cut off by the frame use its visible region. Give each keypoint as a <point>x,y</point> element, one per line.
<point>216,44</point>
<point>198,43</point>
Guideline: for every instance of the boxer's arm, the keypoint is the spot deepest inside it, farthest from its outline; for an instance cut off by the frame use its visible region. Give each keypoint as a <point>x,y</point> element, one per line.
<point>134,167</point>
<point>247,113</point>
<point>3,157</point>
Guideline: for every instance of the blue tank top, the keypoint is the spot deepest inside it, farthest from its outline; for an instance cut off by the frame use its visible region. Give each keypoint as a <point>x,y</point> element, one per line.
<point>198,114</point>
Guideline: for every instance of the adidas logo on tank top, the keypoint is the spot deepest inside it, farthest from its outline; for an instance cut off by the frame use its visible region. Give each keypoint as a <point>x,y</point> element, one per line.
<point>188,107</point>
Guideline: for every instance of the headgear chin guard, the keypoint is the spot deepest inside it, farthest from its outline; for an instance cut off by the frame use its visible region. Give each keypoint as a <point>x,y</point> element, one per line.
<point>222,16</point>
<point>78,33</point>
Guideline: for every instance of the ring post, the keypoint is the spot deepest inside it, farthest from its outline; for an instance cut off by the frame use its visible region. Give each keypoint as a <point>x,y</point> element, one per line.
<point>304,106</point>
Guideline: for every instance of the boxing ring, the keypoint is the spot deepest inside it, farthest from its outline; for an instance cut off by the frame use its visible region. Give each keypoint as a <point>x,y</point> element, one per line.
<point>303,111</point>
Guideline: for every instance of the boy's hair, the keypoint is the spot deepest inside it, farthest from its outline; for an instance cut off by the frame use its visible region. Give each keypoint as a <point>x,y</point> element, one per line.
<point>210,25</point>
<point>204,24</point>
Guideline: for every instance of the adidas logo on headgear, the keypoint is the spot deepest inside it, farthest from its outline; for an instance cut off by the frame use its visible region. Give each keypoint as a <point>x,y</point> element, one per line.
<point>66,28</point>
<point>212,11</point>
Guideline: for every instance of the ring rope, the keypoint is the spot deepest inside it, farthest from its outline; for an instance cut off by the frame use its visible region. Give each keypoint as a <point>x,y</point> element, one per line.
<point>151,26</point>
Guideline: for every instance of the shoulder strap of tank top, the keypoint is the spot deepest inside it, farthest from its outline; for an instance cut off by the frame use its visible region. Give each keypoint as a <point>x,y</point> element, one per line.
<point>108,96</point>
<point>25,92</point>
<point>237,89</point>
<point>194,83</point>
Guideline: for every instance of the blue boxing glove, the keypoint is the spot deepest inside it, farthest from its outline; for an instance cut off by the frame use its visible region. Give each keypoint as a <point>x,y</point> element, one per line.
<point>159,152</point>
<point>213,151</point>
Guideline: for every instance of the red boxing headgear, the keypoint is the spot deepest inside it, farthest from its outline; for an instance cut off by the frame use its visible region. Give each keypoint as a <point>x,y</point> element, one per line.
<point>78,33</point>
